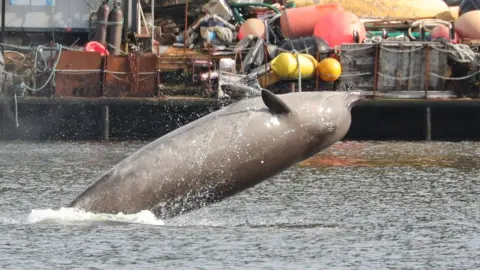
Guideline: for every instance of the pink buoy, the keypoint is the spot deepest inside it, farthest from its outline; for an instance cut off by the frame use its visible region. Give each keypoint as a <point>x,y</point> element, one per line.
<point>468,25</point>
<point>337,27</point>
<point>252,26</point>
<point>442,31</point>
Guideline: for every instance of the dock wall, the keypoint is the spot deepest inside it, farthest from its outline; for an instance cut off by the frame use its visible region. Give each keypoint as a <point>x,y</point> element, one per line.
<point>147,119</point>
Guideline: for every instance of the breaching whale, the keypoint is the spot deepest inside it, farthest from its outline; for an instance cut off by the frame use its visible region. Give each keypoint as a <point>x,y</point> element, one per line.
<point>222,153</point>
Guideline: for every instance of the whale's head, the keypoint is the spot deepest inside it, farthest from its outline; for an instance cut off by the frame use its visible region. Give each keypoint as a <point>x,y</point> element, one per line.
<point>322,118</point>
<point>329,114</point>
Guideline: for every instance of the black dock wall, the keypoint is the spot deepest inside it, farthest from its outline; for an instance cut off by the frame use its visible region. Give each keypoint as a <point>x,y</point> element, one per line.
<point>372,120</point>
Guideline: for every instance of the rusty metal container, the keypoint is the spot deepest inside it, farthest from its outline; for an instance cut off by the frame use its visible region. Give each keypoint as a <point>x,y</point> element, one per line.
<point>102,18</point>
<point>115,23</point>
<point>130,76</point>
<point>79,74</point>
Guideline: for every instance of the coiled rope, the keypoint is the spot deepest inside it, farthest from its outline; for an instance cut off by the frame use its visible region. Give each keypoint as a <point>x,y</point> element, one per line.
<point>461,53</point>
<point>52,73</point>
<point>23,86</point>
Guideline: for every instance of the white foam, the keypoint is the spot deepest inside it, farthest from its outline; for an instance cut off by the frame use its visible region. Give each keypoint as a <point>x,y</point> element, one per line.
<point>73,215</point>
<point>8,221</point>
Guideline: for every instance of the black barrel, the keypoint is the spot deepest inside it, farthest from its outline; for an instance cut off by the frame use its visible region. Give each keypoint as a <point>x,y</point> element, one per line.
<point>469,5</point>
<point>452,3</point>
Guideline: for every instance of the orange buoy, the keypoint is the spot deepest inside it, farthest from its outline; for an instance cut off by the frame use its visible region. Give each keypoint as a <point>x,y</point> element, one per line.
<point>337,27</point>
<point>252,26</point>
<point>329,69</point>
<point>300,22</point>
<point>468,25</point>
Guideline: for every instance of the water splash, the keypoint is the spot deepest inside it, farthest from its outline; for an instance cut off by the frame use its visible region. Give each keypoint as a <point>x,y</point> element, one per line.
<point>73,216</point>
<point>4,220</point>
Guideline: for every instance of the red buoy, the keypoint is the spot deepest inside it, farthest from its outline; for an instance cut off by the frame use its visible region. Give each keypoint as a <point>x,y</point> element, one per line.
<point>94,46</point>
<point>338,27</point>
<point>300,22</point>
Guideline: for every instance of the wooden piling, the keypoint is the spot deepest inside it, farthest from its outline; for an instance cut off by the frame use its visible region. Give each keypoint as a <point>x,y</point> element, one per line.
<point>427,70</point>
<point>428,124</point>
<point>105,122</point>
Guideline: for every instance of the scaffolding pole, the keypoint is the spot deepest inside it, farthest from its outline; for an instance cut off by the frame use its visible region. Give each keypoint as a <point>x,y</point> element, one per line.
<point>153,25</point>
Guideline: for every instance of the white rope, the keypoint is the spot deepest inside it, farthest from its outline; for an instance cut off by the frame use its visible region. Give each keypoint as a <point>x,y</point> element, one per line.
<point>52,73</point>
<point>355,74</point>
<point>455,78</point>
<point>78,70</point>
<point>20,48</point>
<point>146,77</point>
<point>411,49</point>
<point>412,77</point>
<point>305,50</point>
<point>374,39</point>
<point>296,54</point>
<point>13,74</point>
<point>378,39</point>
<point>99,70</point>
<point>38,51</point>
<point>459,52</point>
<point>398,78</point>
<point>16,108</point>
<point>340,48</point>
<point>117,78</point>
<point>125,73</point>
<point>17,53</point>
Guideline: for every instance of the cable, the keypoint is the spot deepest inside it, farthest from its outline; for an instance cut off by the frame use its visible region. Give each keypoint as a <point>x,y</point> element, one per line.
<point>38,51</point>
<point>50,77</point>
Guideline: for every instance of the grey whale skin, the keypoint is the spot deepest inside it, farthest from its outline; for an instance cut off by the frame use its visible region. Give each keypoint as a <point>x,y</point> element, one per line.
<point>222,153</point>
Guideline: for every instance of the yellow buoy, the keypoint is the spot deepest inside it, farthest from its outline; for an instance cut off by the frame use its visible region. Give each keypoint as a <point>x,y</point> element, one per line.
<point>329,69</point>
<point>285,65</point>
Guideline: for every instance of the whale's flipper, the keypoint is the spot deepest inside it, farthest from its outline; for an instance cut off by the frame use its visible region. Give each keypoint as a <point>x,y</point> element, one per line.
<point>275,104</point>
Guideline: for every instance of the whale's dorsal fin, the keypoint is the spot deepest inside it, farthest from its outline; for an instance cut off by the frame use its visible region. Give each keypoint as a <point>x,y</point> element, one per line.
<point>275,104</point>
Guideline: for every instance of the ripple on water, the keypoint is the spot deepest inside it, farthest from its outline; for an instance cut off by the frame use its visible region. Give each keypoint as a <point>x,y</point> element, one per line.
<point>357,205</point>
